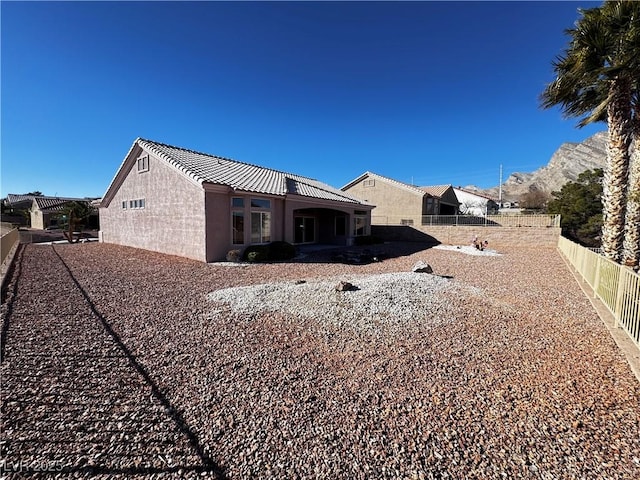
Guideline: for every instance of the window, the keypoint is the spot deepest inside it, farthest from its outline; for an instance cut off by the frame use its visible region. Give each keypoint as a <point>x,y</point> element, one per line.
<point>359,225</point>
<point>260,227</point>
<point>260,203</point>
<point>124,204</point>
<point>429,206</point>
<point>369,183</point>
<point>237,222</point>
<point>304,229</point>
<point>139,203</point>
<point>143,164</point>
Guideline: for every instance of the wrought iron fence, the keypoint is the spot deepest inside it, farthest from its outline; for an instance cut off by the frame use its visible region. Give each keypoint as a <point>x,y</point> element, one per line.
<point>470,220</point>
<point>616,286</point>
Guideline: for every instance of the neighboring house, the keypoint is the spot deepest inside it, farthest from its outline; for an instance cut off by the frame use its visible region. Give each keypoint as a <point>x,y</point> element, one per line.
<point>473,203</point>
<point>16,209</point>
<point>19,202</point>
<point>400,203</point>
<point>46,211</point>
<point>177,201</point>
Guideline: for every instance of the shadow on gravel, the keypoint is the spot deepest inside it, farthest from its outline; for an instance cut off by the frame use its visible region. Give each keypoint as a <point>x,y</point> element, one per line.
<point>208,465</point>
<point>8,296</point>
<point>360,254</point>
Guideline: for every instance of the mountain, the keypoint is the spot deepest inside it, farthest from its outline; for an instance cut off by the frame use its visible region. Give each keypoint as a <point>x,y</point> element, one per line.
<point>569,161</point>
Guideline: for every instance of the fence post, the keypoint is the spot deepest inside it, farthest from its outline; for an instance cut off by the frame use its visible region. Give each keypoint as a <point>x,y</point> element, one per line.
<point>619,294</point>
<point>596,281</point>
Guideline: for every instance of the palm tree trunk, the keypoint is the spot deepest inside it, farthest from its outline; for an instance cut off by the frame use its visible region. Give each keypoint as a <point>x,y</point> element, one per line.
<point>631,244</point>
<point>614,184</point>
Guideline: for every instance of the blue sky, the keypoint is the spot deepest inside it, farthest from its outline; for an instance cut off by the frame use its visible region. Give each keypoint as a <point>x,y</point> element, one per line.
<point>424,92</point>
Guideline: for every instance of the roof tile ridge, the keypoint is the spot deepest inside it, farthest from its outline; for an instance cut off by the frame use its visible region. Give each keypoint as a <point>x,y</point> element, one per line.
<point>471,192</point>
<point>398,182</point>
<point>189,150</point>
<point>321,186</point>
<point>153,147</point>
<point>218,157</point>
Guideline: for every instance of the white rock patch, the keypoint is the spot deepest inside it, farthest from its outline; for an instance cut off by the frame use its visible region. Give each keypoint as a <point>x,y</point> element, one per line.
<point>391,298</point>
<point>469,250</point>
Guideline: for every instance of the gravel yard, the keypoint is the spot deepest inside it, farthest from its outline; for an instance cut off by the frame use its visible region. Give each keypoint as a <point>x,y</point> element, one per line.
<point>122,363</point>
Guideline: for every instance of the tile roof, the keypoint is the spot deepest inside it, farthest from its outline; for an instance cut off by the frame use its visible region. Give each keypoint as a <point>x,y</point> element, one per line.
<point>473,192</point>
<point>436,190</point>
<point>397,183</point>
<point>43,202</point>
<point>206,168</point>
<point>55,204</point>
<point>17,198</point>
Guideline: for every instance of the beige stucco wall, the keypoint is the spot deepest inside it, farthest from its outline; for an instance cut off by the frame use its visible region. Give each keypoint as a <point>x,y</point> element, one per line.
<point>462,235</point>
<point>172,221</point>
<point>283,212</point>
<point>37,219</point>
<point>391,201</point>
<point>219,229</point>
<point>183,217</point>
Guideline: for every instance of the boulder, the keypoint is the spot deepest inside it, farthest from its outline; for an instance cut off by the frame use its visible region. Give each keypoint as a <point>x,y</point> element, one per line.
<point>422,267</point>
<point>344,286</point>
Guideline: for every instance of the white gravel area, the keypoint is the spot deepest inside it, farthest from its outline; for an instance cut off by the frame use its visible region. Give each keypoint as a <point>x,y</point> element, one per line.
<point>469,250</point>
<point>389,299</point>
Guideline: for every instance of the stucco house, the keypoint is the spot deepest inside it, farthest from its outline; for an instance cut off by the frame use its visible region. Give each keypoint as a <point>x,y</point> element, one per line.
<point>182,202</point>
<point>474,203</point>
<point>44,211</point>
<point>19,201</point>
<point>398,203</point>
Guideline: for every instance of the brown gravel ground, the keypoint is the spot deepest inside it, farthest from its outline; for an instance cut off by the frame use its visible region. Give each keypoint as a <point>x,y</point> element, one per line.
<point>114,368</point>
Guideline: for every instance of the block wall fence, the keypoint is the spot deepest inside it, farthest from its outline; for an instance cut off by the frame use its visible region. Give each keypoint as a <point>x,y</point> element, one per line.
<point>462,235</point>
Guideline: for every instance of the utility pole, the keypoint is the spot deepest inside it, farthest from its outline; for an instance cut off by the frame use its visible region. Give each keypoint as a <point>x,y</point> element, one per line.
<point>500,189</point>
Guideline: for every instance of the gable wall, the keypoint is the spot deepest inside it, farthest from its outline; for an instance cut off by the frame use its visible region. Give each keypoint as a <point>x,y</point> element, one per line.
<point>393,203</point>
<point>449,197</point>
<point>172,220</point>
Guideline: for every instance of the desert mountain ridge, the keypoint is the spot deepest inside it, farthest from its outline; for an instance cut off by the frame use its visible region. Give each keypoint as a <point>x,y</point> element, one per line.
<point>569,161</point>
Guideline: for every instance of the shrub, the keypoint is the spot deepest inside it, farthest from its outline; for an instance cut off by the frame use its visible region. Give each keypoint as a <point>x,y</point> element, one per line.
<point>281,251</point>
<point>256,253</point>
<point>272,252</point>
<point>256,256</point>
<point>234,256</point>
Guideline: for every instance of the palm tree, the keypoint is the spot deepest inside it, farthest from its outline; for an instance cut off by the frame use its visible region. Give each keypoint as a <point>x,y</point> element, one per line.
<point>631,244</point>
<point>76,214</point>
<point>595,77</point>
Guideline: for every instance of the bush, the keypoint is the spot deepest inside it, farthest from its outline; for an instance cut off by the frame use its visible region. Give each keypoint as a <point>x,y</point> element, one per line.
<point>281,251</point>
<point>256,256</point>
<point>274,251</point>
<point>255,253</point>
<point>234,256</point>
<point>367,240</point>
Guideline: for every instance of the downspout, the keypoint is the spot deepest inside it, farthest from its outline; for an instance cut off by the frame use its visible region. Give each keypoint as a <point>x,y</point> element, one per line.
<point>284,217</point>
<point>284,211</point>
